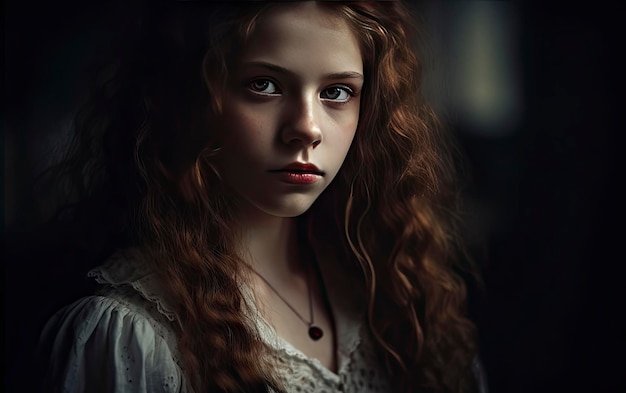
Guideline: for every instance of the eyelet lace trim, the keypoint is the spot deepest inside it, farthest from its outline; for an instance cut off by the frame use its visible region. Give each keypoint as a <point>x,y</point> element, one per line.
<point>130,281</point>
<point>132,284</point>
<point>121,270</point>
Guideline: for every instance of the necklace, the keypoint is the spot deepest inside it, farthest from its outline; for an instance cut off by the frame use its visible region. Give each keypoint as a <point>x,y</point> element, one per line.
<point>315,332</point>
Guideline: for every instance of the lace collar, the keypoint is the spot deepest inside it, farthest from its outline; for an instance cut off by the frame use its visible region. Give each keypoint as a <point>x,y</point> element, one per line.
<point>348,310</point>
<point>124,269</point>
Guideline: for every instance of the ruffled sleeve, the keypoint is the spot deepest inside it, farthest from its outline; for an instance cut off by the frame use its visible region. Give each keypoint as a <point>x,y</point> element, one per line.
<point>98,344</point>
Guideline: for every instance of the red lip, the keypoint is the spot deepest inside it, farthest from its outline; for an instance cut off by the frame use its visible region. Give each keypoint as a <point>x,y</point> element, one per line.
<point>299,167</point>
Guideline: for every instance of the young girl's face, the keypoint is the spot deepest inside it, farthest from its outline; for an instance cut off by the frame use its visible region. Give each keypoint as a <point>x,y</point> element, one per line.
<point>291,108</point>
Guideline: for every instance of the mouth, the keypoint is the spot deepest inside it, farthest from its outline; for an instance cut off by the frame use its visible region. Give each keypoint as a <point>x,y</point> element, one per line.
<point>298,173</point>
<point>299,168</point>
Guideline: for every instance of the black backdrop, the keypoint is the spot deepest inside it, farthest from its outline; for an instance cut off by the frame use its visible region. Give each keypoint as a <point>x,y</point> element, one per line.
<point>551,318</point>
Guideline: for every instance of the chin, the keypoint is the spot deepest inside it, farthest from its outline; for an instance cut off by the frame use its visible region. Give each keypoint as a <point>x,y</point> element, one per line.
<point>287,210</point>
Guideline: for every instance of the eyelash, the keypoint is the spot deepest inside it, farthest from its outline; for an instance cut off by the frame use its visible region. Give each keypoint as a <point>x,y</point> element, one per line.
<point>252,82</point>
<point>351,93</point>
<point>343,88</point>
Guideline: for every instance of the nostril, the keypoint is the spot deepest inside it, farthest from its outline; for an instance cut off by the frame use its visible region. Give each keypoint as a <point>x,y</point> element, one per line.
<point>302,138</point>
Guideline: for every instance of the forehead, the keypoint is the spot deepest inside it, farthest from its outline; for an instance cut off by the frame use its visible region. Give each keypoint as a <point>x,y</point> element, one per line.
<point>325,16</point>
<point>303,30</point>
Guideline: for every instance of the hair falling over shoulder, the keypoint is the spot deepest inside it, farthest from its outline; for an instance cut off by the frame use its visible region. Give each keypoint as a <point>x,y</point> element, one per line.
<point>397,209</point>
<point>142,154</point>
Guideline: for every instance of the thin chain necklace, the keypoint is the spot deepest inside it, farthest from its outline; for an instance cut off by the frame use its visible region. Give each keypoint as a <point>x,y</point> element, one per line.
<point>315,332</point>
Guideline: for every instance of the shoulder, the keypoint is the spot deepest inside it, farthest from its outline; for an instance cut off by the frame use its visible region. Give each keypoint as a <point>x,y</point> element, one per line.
<point>101,314</point>
<point>98,343</point>
<point>119,340</point>
<point>129,294</point>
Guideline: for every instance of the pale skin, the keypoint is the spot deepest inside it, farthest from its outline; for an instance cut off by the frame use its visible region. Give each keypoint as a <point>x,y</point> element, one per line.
<point>295,97</point>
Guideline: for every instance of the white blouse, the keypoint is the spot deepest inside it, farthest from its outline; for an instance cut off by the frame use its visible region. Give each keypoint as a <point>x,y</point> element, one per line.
<point>121,340</point>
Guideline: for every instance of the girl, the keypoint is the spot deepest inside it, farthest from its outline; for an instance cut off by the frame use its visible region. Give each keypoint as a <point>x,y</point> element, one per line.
<point>278,210</point>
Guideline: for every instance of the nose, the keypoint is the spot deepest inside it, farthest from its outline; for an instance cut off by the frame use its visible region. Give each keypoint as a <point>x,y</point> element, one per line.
<point>302,123</point>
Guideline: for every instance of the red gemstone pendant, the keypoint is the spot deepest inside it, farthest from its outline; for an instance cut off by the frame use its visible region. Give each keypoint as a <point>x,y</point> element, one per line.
<point>315,333</point>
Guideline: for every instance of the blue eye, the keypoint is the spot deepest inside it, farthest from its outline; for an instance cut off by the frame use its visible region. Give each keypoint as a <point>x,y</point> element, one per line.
<point>337,93</point>
<point>264,86</point>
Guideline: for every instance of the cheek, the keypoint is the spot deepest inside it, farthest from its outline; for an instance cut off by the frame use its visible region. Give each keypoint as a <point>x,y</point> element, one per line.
<point>338,145</point>
<point>345,132</point>
<point>246,130</point>
<point>348,120</point>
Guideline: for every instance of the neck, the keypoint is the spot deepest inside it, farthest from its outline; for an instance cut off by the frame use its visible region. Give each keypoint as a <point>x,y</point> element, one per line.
<point>270,245</point>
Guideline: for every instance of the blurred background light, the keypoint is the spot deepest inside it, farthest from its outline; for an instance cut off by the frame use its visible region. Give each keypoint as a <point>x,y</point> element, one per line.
<point>475,75</point>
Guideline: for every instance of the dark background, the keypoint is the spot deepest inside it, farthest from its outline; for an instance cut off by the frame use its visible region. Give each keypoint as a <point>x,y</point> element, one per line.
<point>551,317</point>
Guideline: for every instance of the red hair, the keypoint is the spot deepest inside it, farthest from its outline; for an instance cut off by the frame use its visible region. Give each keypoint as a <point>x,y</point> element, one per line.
<point>391,212</point>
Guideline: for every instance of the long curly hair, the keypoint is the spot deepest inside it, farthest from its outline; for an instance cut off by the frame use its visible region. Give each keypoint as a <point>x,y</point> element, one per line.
<point>141,161</point>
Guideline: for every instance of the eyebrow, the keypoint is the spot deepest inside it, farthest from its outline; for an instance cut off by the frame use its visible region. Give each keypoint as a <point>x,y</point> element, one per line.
<point>282,70</point>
